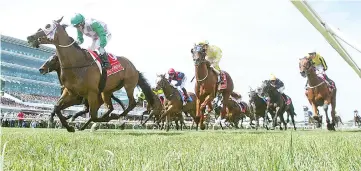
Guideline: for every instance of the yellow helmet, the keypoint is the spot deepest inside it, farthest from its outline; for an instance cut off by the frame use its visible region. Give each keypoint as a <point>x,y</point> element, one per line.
<point>205,42</point>
<point>273,77</point>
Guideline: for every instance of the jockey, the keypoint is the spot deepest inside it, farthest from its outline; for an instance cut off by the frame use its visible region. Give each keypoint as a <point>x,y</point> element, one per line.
<point>278,84</point>
<point>96,30</point>
<point>214,55</point>
<point>320,65</point>
<point>181,78</point>
<point>159,93</point>
<point>356,113</point>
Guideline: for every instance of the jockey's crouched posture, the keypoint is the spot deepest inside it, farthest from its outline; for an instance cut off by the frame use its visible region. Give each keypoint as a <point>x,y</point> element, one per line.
<point>279,85</point>
<point>214,55</point>
<point>320,66</point>
<point>181,78</point>
<point>96,30</point>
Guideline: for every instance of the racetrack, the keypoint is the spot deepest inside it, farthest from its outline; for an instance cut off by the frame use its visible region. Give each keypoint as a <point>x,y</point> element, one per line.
<point>56,149</point>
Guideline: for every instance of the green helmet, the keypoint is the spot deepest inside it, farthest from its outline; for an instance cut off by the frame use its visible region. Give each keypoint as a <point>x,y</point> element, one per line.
<point>77,19</point>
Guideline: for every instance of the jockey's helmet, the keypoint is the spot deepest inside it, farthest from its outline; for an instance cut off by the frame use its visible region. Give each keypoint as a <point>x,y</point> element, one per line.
<point>205,42</point>
<point>312,52</point>
<point>273,77</point>
<point>77,19</point>
<point>171,71</point>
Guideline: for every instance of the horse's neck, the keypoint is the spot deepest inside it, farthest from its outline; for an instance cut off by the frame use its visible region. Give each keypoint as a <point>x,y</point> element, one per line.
<point>69,56</point>
<point>313,79</point>
<point>58,72</point>
<point>201,71</point>
<point>168,90</point>
<point>273,94</point>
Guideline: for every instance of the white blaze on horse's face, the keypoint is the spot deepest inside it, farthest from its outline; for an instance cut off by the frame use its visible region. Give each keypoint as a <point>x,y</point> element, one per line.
<point>50,30</point>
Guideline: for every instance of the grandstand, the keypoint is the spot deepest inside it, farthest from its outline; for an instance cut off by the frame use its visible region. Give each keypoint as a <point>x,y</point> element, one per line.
<point>22,85</point>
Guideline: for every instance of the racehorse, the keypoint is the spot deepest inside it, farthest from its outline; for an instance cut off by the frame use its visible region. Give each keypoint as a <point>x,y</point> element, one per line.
<point>258,106</point>
<point>357,120</point>
<point>207,86</point>
<point>82,75</point>
<point>53,64</point>
<point>154,110</point>
<point>280,103</point>
<point>173,102</point>
<point>318,92</point>
<point>338,120</point>
<point>241,107</point>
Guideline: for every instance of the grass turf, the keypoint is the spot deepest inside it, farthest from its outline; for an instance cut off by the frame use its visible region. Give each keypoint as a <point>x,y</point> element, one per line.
<point>51,149</point>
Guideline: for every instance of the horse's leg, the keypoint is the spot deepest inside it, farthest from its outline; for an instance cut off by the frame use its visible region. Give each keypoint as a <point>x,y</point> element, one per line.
<point>274,120</point>
<point>333,109</point>
<point>95,101</point>
<point>198,118</point>
<point>129,88</point>
<point>225,103</point>
<point>292,113</point>
<point>65,101</point>
<point>283,119</point>
<point>84,111</point>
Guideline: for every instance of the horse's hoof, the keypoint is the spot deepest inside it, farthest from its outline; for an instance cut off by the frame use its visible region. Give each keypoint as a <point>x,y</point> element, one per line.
<point>71,129</point>
<point>94,127</point>
<point>203,127</point>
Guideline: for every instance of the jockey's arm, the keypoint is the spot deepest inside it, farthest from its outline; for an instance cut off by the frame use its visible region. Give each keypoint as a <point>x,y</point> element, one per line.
<point>323,63</point>
<point>179,82</point>
<point>80,37</point>
<point>101,33</point>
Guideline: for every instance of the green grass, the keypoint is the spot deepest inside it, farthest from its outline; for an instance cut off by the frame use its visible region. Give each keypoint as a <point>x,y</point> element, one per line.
<point>43,149</point>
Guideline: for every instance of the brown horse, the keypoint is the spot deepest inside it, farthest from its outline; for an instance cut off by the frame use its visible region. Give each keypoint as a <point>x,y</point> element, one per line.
<point>154,110</point>
<point>53,64</point>
<point>174,102</point>
<point>82,76</point>
<point>207,86</point>
<point>318,92</point>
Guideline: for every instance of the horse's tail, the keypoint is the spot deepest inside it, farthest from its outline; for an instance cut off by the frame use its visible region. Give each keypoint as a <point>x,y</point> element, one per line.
<point>146,89</point>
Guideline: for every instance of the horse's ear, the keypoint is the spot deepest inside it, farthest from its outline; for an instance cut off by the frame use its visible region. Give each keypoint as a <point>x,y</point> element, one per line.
<point>192,51</point>
<point>59,20</point>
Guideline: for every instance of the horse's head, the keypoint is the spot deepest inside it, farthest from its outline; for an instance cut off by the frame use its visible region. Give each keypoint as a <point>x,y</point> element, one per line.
<point>199,53</point>
<point>306,66</point>
<point>52,64</point>
<point>252,94</point>
<point>47,35</point>
<point>161,81</point>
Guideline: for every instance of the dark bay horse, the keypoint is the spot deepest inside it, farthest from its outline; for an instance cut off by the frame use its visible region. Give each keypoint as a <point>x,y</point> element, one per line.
<point>318,92</point>
<point>53,64</point>
<point>173,102</point>
<point>82,76</point>
<point>259,107</point>
<point>277,101</point>
<point>207,86</point>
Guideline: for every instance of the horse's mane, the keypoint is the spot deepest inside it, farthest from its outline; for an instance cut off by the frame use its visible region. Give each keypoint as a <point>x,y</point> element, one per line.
<point>71,38</point>
<point>75,43</point>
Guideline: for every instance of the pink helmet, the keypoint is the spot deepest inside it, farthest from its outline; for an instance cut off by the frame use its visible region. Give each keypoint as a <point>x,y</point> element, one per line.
<point>171,71</point>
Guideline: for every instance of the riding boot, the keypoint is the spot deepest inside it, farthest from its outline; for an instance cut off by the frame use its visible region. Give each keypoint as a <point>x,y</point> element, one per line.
<point>105,61</point>
<point>186,97</point>
<point>328,81</point>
